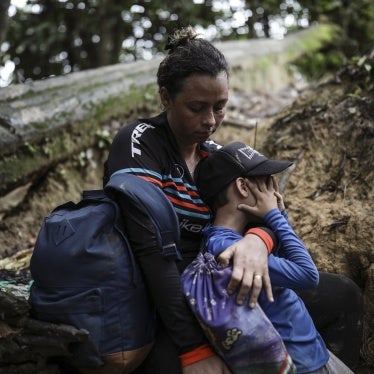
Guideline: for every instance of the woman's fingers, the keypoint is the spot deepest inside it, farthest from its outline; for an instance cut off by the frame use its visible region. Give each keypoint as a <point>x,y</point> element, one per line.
<point>266,285</point>
<point>239,277</point>
<point>256,289</point>
<point>225,257</point>
<point>249,257</point>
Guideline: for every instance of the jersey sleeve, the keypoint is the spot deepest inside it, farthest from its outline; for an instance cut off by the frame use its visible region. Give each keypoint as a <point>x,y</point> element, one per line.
<point>222,239</point>
<point>163,281</point>
<point>136,150</point>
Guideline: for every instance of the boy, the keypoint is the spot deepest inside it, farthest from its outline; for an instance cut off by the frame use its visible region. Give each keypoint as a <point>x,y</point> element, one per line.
<point>237,184</point>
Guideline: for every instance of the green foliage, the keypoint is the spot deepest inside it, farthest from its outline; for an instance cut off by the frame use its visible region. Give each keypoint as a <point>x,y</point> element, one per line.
<point>313,65</point>
<point>322,55</point>
<point>55,37</point>
<point>353,35</point>
<point>49,38</point>
<point>104,138</point>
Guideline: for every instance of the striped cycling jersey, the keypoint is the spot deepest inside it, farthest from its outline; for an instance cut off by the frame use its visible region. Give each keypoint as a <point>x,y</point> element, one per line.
<point>147,148</point>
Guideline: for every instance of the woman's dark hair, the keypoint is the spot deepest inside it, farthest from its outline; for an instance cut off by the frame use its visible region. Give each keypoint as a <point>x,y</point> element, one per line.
<point>188,55</point>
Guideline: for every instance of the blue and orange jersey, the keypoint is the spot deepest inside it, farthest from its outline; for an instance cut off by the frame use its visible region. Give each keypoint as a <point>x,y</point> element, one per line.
<point>147,148</point>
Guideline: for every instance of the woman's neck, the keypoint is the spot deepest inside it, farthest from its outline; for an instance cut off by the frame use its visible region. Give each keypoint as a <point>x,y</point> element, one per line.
<point>191,156</point>
<point>189,151</point>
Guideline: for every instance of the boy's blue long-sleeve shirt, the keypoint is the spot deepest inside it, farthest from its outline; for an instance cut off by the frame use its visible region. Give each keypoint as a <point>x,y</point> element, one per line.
<point>291,268</point>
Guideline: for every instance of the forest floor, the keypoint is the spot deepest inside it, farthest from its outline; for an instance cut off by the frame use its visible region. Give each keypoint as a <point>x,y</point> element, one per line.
<point>326,129</point>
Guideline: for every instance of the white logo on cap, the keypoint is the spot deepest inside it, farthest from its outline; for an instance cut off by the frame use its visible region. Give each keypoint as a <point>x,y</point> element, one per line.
<point>249,152</point>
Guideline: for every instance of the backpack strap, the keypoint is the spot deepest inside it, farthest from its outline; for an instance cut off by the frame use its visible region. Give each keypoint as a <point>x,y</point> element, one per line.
<point>153,202</point>
<point>93,195</point>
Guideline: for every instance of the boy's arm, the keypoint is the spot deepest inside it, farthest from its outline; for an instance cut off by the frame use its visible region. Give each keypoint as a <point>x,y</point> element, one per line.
<point>225,239</point>
<point>294,268</point>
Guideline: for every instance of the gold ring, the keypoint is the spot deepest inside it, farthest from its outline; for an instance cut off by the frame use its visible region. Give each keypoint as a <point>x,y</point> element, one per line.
<point>257,276</point>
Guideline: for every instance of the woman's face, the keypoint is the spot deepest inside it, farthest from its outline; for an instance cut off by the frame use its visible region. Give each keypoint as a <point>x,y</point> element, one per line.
<point>198,109</point>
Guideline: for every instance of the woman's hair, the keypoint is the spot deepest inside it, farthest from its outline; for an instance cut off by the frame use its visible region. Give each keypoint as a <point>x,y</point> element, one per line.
<point>188,55</point>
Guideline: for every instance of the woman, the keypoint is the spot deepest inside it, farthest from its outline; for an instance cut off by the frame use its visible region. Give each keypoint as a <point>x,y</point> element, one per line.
<point>193,88</point>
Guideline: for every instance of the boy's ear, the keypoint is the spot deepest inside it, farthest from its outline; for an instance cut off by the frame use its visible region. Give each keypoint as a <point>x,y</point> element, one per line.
<point>242,186</point>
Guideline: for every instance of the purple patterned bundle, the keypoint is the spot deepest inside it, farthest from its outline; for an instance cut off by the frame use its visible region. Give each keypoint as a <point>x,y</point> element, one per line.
<point>243,337</point>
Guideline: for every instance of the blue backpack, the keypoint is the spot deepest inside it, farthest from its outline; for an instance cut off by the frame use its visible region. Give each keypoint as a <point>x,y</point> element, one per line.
<point>85,274</point>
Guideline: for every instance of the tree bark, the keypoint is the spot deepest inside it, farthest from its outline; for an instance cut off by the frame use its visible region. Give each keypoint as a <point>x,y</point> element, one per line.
<point>4,17</point>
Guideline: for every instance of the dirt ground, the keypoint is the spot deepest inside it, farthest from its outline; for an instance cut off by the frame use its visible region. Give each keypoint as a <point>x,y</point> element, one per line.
<point>327,132</point>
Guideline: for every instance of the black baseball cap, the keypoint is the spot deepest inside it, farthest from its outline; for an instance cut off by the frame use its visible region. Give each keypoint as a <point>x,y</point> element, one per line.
<point>226,164</point>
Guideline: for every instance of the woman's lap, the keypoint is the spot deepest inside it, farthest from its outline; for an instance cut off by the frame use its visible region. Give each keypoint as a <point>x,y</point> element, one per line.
<point>163,358</point>
<point>336,307</point>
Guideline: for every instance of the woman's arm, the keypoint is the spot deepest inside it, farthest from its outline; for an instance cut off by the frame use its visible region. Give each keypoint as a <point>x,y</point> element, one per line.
<point>163,282</point>
<point>134,150</point>
<point>161,277</point>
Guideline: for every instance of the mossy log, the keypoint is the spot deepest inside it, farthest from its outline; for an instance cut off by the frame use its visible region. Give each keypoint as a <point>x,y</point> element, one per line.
<point>44,122</point>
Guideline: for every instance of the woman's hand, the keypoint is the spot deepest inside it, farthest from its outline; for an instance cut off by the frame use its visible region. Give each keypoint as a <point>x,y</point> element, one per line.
<point>210,365</point>
<point>250,268</point>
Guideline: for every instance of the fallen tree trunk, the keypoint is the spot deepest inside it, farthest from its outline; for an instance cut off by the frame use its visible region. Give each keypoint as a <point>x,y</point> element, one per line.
<point>44,122</point>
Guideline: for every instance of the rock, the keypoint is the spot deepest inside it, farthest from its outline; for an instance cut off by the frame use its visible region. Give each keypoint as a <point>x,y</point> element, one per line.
<point>28,345</point>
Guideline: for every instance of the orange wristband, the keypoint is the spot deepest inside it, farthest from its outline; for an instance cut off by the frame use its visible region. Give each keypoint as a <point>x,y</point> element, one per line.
<point>266,238</point>
<point>198,354</point>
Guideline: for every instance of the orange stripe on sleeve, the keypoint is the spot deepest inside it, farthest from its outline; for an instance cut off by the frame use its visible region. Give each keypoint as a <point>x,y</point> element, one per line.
<point>196,355</point>
<point>152,180</point>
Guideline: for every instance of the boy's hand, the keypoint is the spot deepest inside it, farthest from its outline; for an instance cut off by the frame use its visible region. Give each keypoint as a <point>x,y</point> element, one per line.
<point>263,189</point>
<point>277,194</point>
